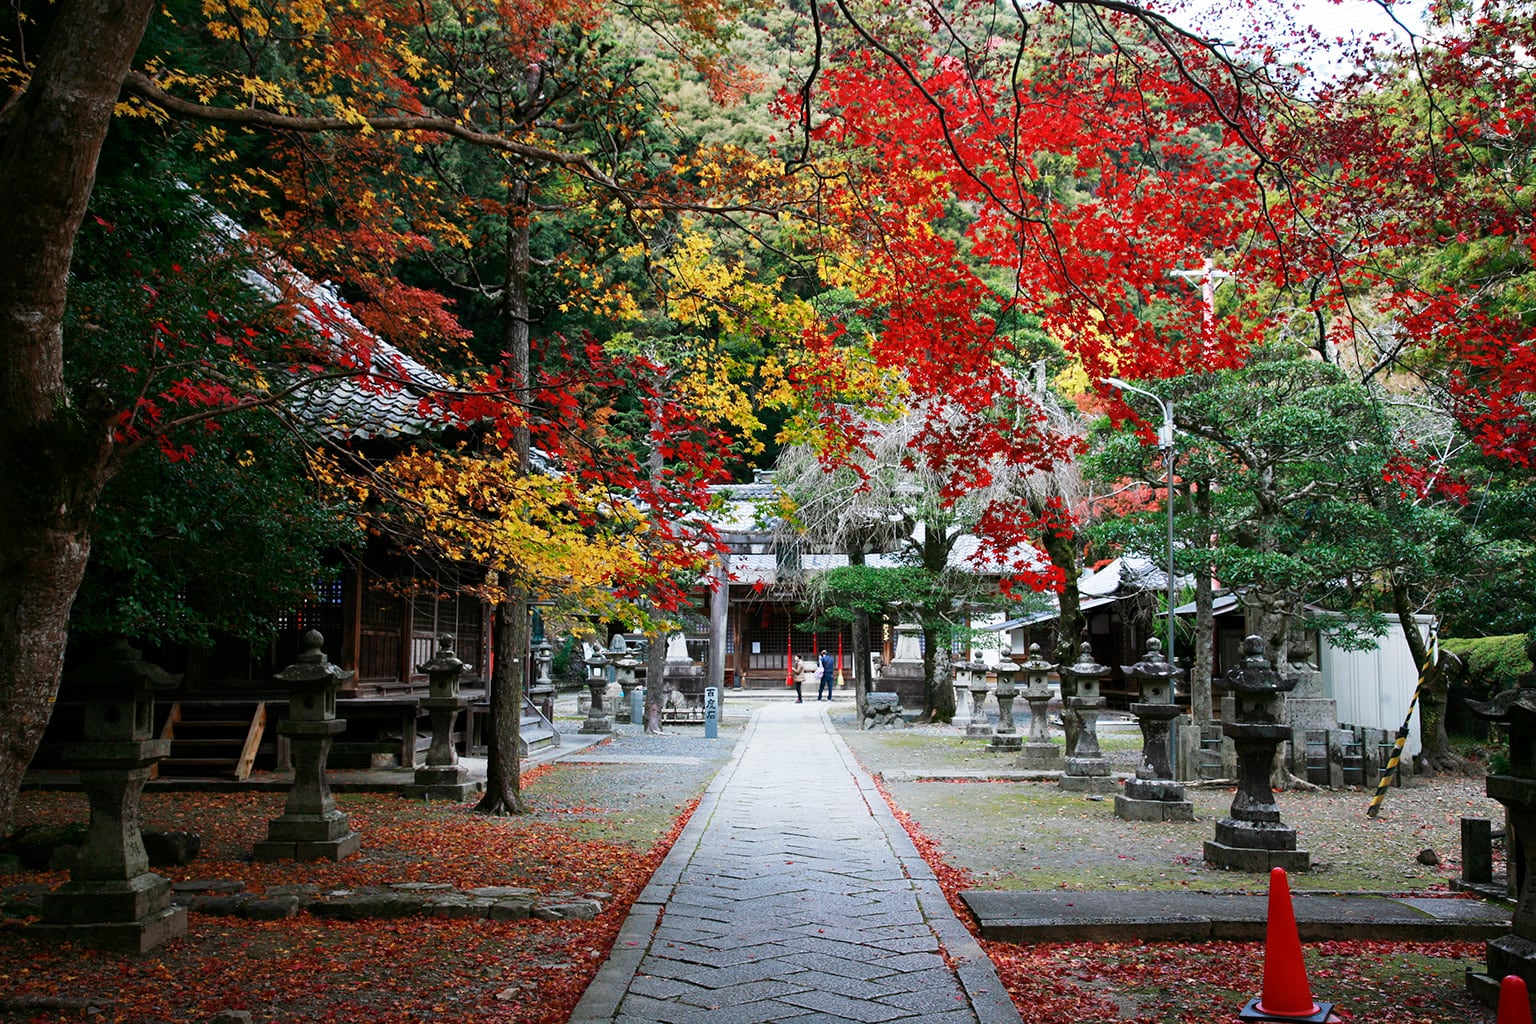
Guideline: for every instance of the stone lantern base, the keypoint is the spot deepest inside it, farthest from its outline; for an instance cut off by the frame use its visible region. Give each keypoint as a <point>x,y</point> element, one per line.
<point>443,782</point>
<point>979,727</point>
<point>1506,955</point>
<point>1088,775</point>
<point>1153,800</point>
<point>326,836</point>
<point>595,724</point>
<point>133,916</point>
<point>1006,741</point>
<point>1255,846</point>
<point>1040,755</point>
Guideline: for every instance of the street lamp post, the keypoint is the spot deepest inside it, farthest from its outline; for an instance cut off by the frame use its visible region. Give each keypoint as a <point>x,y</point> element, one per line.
<point>1165,443</point>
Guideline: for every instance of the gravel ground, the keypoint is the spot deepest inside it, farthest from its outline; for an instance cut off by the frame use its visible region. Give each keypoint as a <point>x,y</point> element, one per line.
<point>1031,835</point>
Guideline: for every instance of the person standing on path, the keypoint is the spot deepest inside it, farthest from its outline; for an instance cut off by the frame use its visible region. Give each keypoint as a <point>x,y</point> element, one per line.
<point>805,669</point>
<point>828,675</point>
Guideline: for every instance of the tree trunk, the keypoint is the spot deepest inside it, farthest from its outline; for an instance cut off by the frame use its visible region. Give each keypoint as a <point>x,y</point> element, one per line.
<point>655,683</point>
<point>503,774</point>
<point>503,782</point>
<point>1201,703</point>
<point>944,686</point>
<point>1070,623</point>
<point>52,456</point>
<point>862,683</point>
<point>1435,753</point>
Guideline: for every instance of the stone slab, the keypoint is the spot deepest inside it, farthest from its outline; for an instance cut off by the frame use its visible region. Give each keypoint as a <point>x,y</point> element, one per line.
<point>120,936</point>
<point>336,849</point>
<point>1256,860</point>
<point>1128,809</point>
<point>1196,917</point>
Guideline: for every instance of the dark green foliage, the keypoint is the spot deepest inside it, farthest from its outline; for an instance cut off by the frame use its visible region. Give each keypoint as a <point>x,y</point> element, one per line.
<point>219,526</point>
<point>1492,663</point>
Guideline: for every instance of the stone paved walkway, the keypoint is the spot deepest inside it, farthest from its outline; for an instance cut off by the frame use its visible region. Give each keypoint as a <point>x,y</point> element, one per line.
<point>794,895</point>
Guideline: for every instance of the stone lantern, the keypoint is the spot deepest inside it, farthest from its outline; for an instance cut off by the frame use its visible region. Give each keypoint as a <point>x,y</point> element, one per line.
<point>963,674</point>
<point>311,826</point>
<point>1514,953</point>
<point>626,668</point>
<point>1253,838</point>
<point>1087,770</point>
<point>541,691</point>
<point>112,900</point>
<point>1153,795</point>
<point>1006,736</point>
<point>1038,751</point>
<point>597,723</point>
<point>442,777</point>
<point>980,725</point>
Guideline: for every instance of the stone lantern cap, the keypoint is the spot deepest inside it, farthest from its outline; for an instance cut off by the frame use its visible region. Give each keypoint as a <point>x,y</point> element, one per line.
<point>1006,670</point>
<point>967,672</point>
<point>443,670</point>
<point>1036,669</point>
<point>312,666</point>
<point>1254,674</point>
<point>121,705</point>
<point>1156,674</point>
<point>120,668</point>
<point>1087,672</point>
<point>444,660</point>
<point>1515,711</point>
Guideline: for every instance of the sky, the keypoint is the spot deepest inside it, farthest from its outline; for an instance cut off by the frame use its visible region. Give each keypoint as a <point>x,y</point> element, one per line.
<point>1337,23</point>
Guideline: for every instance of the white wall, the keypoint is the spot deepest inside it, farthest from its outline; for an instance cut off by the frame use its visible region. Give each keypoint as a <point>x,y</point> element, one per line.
<point>1373,688</point>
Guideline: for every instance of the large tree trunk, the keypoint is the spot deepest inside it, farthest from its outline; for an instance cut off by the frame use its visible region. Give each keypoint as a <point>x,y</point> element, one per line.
<point>52,455</point>
<point>503,771</point>
<point>938,694</point>
<point>503,782</point>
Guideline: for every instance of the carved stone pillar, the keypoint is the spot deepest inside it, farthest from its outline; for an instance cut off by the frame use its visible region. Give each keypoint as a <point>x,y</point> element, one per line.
<point>112,900</point>
<point>311,826</point>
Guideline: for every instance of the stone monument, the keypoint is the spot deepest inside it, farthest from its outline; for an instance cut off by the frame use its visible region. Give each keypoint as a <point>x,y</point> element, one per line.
<point>1006,736</point>
<point>904,674</point>
<point>1153,795</point>
<point>442,777</point>
<point>1087,770</point>
<point>112,900</point>
<point>311,826</point>
<point>681,675</point>
<point>1252,837</point>
<point>596,723</point>
<point>1038,751</point>
<point>963,674</point>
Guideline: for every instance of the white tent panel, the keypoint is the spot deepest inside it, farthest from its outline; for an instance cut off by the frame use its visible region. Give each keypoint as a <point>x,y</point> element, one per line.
<point>1373,688</point>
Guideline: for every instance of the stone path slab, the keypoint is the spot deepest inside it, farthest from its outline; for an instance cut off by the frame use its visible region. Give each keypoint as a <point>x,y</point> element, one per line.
<point>793,894</point>
<point>1194,917</point>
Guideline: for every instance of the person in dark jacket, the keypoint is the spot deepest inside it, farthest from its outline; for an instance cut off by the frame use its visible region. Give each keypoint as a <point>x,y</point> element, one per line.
<point>828,675</point>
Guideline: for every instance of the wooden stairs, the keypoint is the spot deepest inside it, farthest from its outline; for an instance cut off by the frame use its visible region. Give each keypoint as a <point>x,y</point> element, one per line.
<point>212,740</point>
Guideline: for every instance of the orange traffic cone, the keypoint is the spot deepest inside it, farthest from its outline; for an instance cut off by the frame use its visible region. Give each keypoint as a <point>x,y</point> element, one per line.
<point>1514,1002</point>
<point>1287,996</point>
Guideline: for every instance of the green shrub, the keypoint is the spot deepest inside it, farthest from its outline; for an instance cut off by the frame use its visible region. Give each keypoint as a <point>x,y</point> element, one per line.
<point>1493,663</point>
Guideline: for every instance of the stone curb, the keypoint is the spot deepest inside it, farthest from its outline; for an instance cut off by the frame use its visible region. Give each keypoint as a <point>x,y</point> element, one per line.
<point>403,899</point>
